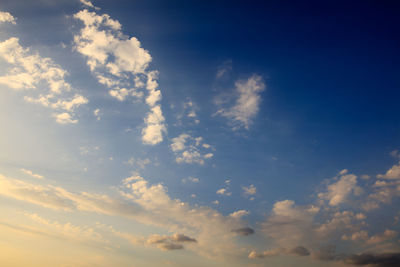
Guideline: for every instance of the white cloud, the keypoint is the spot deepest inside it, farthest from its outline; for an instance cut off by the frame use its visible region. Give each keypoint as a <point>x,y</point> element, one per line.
<point>239,214</point>
<point>96,113</point>
<point>42,80</point>
<point>248,99</point>
<point>87,3</point>
<point>68,231</point>
<point>121,64</point>
<point>338,193</point>
<point>64,118</point>
<point>188,149</point>
<point>224,192</point>
<point>249,190</point>
<point>152,134</point>
<point>6,17</point>
<point>392,173</point>
<point>290,225</point>
<point>29,172</point>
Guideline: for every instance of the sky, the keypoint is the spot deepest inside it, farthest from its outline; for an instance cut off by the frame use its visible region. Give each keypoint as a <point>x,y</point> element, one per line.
<point>199,133</point>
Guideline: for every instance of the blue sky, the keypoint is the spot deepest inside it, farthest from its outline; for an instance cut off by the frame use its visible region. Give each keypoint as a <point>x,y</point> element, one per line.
<point>140,133</point>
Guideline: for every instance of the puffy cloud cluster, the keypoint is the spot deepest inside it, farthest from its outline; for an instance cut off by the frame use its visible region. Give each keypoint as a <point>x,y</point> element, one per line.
<point>6,17</point>
<point>340,191</point>
<point>188,149</point>
<point>42,79</point>
<point>121,64</point>
<point>247,103</point>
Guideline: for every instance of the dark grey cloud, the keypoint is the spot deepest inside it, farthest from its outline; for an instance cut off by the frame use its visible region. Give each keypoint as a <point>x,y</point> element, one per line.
<point>300,251</point>
<point>376,260</point>
<point>182,238</point>
<point>244,231</point>
<point>170,246</point>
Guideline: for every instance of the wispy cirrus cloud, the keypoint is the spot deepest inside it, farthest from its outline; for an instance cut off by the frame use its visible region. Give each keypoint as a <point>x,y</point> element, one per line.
<point>247,99</point>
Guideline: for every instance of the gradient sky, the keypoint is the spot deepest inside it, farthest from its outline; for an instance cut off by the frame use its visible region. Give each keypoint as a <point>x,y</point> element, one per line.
<point>199,133</point>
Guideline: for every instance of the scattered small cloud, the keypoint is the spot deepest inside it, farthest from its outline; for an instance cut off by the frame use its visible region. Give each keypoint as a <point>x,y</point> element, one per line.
<point>188,149</point>
<point>249,190</point>
<point>246,106</point>
<point>239,214</point>
<point>34,175</point>
<point>190,179</point>
<point>224,69</point>
<point>224,192</point>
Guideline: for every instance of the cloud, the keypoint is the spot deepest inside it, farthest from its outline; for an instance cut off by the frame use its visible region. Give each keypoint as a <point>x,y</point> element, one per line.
<point>296,251</point>
<point>121,64</point>
<point>188,149</point>
<point>249,190</point>
<point>29,172</point>
<point>141,163</point>
<point>224,192</point>
<point>239,214</point>
<point>376,260</point>
<point>338,193</point>
<point>64,118</point>
<point>96,113</point>
<point>243,231</point>
<point>42,80</point>
<point>224,69</point>
<point>87,3</point>
<point>170,242</point>
<point>191,179</point>
<point>392,173</point>
<point>188,112</point>
<point>290,225</point>
<point>7,17</point>
<point>248,99</point>
<point>144,203</point>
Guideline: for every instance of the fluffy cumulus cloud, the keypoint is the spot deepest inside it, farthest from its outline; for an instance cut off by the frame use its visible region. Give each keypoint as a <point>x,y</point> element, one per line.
<point>341,190</point>
<point>384,190</point>
<point>6,17</point>
<point>392,173</point>
<point>188,149</point>
<point>247,101</point>
<point>42,81</point>
<point>121,64</point>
